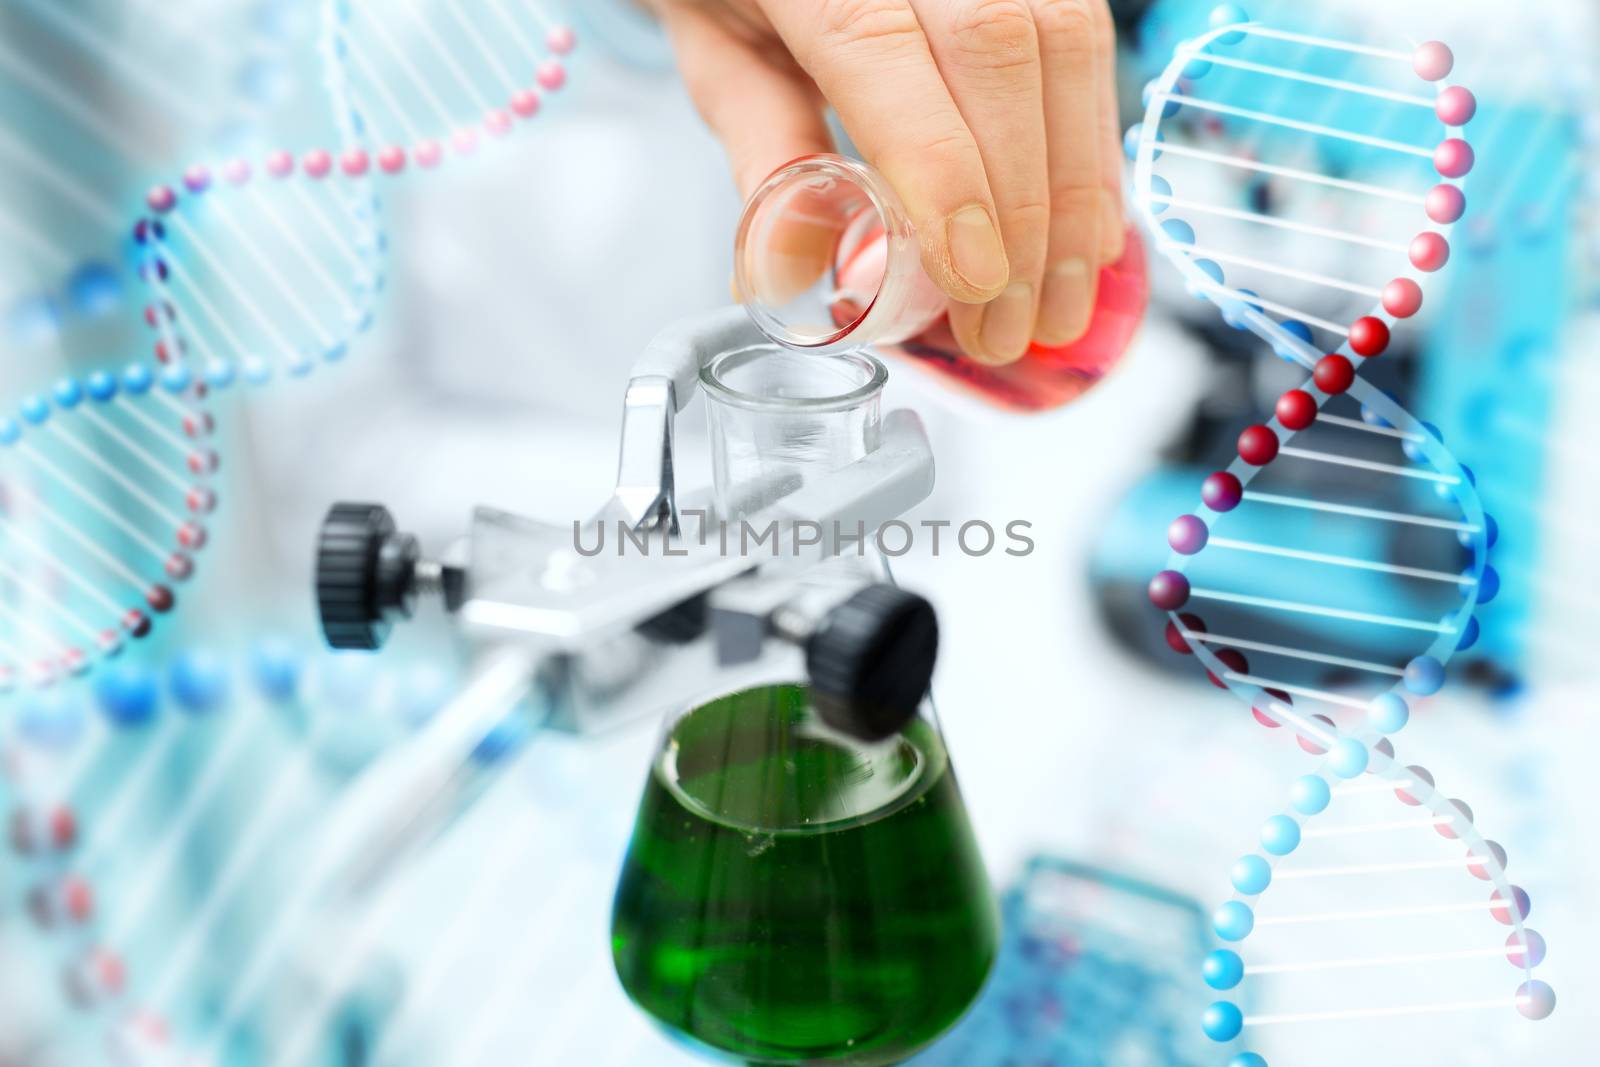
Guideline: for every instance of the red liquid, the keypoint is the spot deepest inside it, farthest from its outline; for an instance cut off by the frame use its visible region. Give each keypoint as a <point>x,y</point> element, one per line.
<point>1044,378</point>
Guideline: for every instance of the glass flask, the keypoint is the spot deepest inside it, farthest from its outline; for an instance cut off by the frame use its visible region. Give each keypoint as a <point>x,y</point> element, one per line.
<point>826,260</point>
<point>794,894</point>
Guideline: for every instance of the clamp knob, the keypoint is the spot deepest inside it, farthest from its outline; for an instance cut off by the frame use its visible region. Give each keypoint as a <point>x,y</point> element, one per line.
<point>366,575</point>
<point>871,660</point>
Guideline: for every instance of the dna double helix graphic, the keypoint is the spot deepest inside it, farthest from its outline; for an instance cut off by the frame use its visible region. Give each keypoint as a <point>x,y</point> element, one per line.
<point>97,97</point>
<point>1307,187</point>
<point>96,873</point>
<point>256,266</point>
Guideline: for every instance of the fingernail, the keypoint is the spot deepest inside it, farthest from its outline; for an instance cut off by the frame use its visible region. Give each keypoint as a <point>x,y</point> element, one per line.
<point>1113,235</point>
<point>1008,323</point>
<point>976,252</point>
<point>1065,315</point>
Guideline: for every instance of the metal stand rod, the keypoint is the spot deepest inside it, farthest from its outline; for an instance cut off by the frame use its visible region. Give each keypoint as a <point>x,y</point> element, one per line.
<point>395,802</point>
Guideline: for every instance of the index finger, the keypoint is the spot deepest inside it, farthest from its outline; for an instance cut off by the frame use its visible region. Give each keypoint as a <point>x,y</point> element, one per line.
<point>871,60</point>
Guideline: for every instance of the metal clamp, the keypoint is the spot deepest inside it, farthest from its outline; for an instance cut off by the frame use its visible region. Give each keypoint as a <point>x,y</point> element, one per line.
<point>662,383</point>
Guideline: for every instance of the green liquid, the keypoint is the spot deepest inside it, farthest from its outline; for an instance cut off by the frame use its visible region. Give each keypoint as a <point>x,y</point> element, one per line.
<point>793,896</point>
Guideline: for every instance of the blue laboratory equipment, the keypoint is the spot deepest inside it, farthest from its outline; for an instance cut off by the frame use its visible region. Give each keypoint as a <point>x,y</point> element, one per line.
<point>1503,320</point>
<point>1096,969</point>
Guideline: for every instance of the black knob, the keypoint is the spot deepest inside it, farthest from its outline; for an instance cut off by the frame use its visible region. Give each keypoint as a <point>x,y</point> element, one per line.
<point>366,575</point>
<point>871,660</point>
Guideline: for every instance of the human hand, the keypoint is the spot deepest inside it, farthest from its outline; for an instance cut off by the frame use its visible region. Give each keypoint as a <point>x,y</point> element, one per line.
<point>994,120</point>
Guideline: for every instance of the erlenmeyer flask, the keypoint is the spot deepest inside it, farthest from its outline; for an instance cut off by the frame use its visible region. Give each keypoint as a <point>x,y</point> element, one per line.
<point>826,260</point>
<point>793,893</point>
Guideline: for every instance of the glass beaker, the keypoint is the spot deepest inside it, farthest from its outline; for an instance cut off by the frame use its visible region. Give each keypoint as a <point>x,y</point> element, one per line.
<point>794,894</point>
<point>779,418</point>
<point>826,260</point>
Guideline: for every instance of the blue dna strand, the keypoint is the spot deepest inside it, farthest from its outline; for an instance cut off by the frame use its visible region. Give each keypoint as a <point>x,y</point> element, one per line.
<point>1307,187</point>
<point>141,909</point>
<point>1566,569</point>
<point>96,98</point>
<point>434,77</point>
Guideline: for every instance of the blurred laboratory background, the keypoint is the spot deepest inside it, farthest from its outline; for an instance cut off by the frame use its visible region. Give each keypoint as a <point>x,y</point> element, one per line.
<point>166,804</point>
